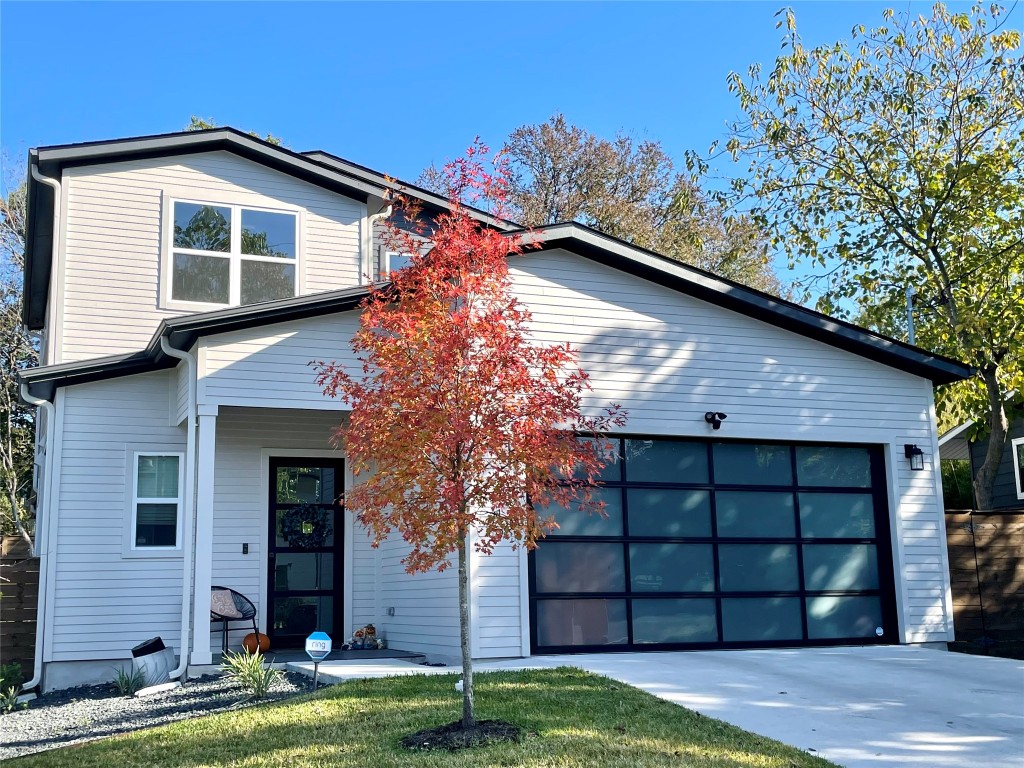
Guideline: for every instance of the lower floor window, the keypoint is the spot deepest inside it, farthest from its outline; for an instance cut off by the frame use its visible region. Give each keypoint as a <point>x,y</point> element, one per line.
<point>156,502</point>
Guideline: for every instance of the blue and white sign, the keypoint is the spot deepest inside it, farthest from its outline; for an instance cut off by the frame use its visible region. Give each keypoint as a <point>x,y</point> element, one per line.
<point>318,646</point>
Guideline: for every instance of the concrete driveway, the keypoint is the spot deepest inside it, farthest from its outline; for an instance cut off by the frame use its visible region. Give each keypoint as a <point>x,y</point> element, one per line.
<point>870,707</point>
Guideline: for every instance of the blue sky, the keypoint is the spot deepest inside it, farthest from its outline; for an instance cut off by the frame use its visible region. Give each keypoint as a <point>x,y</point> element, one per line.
<point>393,86</point>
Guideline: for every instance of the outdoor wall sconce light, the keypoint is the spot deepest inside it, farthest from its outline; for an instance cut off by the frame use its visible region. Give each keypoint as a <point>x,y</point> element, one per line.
<point>715,419</point>
<point>916,456</point>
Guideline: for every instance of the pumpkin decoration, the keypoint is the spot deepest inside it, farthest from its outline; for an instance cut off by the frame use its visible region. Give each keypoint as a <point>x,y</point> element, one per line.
<point>256,642</point>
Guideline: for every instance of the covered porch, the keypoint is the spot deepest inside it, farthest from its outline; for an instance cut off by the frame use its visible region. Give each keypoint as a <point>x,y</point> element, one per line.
<point>271,525</point>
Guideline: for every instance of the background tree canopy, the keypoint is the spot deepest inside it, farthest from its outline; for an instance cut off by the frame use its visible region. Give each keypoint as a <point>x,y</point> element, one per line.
<point>894,159</point>
<point>196,123</point>
<point>18,350</point>
<point>629,190</point>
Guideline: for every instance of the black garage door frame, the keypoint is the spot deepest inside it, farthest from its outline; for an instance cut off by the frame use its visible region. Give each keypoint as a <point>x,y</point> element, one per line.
<point>882,539</point>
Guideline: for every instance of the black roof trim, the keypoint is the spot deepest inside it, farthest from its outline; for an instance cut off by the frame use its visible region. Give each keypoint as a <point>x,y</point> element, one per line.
<point>44,381</point>
<point>182,333</point>
<point>706,286</point>
<point>430,199</point>
<point>54,158</point>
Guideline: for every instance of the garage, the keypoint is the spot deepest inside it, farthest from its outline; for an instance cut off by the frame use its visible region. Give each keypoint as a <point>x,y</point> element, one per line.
<point>721,544</point>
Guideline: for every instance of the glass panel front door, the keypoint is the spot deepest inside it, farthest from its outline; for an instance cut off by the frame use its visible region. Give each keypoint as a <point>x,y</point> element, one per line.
<point>305,552</point>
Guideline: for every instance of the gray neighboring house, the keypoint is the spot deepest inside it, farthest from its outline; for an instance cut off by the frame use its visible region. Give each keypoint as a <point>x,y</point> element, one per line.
<point>1009,485</point>
<point>182,284</point>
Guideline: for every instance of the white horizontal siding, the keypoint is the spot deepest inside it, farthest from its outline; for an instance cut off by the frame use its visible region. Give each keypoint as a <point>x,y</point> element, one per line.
<point>496,592</point>
<point>104,603</point>
<point>365,568</point>
<point>113,240</point>
<point>179,403</point>
<point>269,366</point>
<point>426,605</point>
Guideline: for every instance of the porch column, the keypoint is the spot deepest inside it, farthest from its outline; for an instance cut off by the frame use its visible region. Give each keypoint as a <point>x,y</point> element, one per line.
<point>205,459</point>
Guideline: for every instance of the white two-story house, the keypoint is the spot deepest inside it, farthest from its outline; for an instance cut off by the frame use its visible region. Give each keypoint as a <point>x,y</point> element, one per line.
<point>182,284</point>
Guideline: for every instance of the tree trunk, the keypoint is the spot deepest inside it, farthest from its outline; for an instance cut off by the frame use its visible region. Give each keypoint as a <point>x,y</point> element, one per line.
<point>985,478</point>
<point>468,713</point>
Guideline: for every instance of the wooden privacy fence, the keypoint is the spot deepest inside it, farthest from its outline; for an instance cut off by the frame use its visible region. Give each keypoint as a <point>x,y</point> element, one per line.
<point>986,568</point>
<point>19,595</point>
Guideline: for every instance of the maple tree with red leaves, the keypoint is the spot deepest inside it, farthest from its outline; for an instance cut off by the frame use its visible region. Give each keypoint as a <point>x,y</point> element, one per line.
<point>463,428</point>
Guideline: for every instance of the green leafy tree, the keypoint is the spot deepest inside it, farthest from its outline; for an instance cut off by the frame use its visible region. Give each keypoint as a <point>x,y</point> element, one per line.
<point>196,123</point>
<point>894,159</point>
<point>627,189</point>
<point>18,350</point>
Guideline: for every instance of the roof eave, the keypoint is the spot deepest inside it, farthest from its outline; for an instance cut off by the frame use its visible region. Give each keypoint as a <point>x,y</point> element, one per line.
<point>182,333</point>
<point>55,158</point>
<point>429,199</point>
<point>39,204</point>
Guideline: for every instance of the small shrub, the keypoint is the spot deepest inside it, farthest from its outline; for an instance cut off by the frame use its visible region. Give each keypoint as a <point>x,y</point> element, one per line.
<point>9,699</point>
<point>10,674</point>
<point>957,489</point>
<point>248,670</point>
<point>129,681</point>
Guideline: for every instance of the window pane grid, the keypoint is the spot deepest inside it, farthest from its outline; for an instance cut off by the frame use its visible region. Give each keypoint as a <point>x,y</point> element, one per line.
<point>155,515</point>
<point>838,583</point>
<point>212,244</point>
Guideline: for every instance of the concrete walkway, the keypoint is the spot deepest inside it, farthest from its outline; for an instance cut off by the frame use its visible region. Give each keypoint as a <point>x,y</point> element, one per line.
<point>872,707</point>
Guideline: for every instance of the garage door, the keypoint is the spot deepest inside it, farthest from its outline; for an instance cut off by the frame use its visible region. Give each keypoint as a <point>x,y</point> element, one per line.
<point>721,545</point>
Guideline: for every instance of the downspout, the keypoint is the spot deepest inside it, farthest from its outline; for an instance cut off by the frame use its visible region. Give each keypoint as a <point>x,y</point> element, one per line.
<point>54,249</point>
<point>188,530</point>
<point>372,219</point>
<point>43,511</point>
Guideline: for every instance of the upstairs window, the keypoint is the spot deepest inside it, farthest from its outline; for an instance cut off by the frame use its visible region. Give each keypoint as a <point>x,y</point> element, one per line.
<point>228,254</point>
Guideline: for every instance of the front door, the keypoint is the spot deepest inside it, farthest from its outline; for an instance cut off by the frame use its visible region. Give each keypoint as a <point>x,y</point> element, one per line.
<point>305,549</point>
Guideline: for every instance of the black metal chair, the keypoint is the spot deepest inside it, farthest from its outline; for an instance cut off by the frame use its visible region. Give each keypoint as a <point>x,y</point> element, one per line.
<point>244,607</point>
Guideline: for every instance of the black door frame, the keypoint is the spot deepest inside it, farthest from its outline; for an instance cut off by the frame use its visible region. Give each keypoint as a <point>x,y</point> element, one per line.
<point>337,549</point>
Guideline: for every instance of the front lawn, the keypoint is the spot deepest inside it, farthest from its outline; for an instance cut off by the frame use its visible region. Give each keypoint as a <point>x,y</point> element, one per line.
<point>569,718</point>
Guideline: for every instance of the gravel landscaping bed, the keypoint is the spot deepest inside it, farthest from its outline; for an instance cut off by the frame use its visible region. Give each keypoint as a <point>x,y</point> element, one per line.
<point>82,714</point>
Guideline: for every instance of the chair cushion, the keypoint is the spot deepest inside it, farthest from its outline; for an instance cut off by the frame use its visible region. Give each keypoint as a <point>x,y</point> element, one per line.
<point>222,604</point>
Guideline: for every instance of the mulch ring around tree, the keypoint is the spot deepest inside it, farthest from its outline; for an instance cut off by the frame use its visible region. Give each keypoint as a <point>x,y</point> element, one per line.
<point>455,736</point>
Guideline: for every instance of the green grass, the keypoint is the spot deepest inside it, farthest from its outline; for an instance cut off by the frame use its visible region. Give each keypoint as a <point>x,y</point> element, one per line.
<point>569,718</point>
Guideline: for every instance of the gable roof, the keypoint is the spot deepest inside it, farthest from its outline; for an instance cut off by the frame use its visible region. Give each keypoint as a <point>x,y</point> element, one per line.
<point>729,294</point>
<point>182,332</point>
<point>319,168</point>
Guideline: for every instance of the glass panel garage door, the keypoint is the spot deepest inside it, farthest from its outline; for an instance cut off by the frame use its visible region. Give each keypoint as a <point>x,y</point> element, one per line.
<point>721,544</point>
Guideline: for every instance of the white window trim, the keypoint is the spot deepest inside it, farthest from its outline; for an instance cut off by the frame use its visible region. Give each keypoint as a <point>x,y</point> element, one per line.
<point>1018,473</point>
<point>386,267</point>
<point>234,255</point>
<point>129,548</point>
